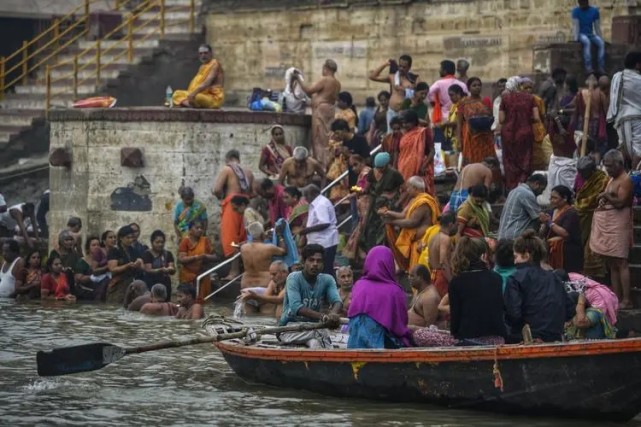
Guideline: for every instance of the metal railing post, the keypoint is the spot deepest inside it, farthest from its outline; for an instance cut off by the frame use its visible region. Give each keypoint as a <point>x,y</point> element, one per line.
<point>48,85</point>
<point>75,77</point>
<point>2,76</point>
<point>87,11</point>
<point>162,17</point>
<point>25,61</point>
<point>56,35</point>
<point>192,15</point>
<point>98,62</point>
<point>130,40</point>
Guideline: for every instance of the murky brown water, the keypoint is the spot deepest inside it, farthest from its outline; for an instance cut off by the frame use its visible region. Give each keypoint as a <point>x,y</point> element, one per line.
<point>188,386</point>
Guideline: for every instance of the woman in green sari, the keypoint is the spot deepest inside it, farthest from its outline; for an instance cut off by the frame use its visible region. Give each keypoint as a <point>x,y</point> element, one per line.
<point>188,210</point>
<point>384,184</point>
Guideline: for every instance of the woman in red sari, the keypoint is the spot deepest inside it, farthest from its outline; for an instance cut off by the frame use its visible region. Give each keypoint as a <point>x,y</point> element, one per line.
<point>275,153</point>
<point>517,113</point>
<point>474,128</point>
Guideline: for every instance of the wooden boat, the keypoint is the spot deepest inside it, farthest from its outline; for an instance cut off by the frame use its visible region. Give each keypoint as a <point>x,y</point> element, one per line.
<point>591,380</point>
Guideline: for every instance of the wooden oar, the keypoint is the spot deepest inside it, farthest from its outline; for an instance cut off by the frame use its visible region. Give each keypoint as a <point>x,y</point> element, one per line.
<point>90,357</point>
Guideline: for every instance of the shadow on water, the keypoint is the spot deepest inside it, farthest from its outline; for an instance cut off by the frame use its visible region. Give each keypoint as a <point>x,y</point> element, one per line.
<point>188,386</point>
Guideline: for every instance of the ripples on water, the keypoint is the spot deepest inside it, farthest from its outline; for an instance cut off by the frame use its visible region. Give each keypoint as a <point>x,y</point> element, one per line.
<point>188,386</point>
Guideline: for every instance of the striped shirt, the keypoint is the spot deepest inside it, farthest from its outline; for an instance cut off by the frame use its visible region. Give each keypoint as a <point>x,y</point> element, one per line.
<point>520,212</point>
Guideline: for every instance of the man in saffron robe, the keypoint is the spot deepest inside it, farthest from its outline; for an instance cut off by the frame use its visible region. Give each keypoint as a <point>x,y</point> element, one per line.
<point>206,88</point>
<point>421,212</point>
<point>324,94</point>
<point>587,200</point>
<point>416,151</point>
<point>232,181</point>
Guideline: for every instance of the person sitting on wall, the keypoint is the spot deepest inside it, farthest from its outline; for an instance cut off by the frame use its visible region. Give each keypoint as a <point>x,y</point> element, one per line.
<point>206,88</point>
<point>586,25</point>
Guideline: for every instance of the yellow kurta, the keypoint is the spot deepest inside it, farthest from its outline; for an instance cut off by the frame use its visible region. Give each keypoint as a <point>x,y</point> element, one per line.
<point>211,97</point>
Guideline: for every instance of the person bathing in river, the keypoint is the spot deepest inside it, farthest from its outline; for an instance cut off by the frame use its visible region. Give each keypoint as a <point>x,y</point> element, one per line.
<point>137,295</point>
<point>305,293</point>
<point>270,301</point>
<point>55,285</point>
<point>158,305</point>
<point>258,255</point>
<point>188,307</point>
<point>12,271</point>
<point>345,280</point>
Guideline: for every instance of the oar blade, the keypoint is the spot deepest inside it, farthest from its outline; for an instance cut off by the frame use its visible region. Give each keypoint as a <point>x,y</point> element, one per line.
<point>81,358</point>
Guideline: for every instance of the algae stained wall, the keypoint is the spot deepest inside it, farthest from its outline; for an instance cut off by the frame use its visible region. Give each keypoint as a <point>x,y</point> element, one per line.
<point>258,40</point>
<point>177,146</point>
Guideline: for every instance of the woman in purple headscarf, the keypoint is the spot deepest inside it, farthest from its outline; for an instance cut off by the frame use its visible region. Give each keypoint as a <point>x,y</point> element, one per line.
<point>378,310</point>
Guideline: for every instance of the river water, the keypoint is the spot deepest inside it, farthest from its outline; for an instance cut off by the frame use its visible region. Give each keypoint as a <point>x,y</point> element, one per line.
<point>188,386</point>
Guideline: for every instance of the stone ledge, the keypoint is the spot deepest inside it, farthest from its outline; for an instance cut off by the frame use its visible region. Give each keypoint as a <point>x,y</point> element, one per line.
<point>161,114</point>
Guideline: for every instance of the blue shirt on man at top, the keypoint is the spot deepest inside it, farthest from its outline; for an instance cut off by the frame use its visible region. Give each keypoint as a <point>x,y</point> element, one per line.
<point>300,293</point>
<point>586,18</point>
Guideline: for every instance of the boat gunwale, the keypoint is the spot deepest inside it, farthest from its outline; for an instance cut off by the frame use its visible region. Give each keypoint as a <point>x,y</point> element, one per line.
<point>435,354</point>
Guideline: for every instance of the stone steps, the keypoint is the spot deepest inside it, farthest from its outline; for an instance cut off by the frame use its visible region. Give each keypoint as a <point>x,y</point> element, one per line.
<point>18,117</point>
<point>35,102</point>
<point>57,88</point>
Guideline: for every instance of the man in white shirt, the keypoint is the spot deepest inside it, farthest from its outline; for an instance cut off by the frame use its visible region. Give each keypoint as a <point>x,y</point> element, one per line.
<point>321,225</point>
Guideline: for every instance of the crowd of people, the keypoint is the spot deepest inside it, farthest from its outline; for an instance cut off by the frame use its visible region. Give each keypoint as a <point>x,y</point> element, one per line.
<point>556,158</point>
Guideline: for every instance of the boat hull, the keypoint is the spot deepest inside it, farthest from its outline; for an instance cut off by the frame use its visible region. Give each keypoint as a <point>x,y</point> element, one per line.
<point>591,381</point>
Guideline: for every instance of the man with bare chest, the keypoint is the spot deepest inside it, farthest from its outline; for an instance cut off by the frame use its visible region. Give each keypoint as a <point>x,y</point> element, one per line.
<point>269,302</point>
<point>300,170</point>
<point>611,233</point>
<point>258,255</point>
<point>440,253</point>
<point>423,311</point>
<point>401,81</point>
<point>471,175</point>
<point>233,180</point>
<point>324,94</point>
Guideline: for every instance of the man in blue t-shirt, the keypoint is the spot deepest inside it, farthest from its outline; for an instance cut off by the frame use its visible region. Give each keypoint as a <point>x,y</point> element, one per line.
<point>306,291</point>
<point>586,23</point>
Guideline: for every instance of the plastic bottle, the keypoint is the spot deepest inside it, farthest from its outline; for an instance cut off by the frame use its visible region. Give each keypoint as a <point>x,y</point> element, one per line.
<point>168,97</point>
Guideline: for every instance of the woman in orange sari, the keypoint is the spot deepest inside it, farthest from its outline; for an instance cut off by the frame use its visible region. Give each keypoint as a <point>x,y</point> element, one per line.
<point>563,232</point>
<point>416,151</point>
<point>194,254</point>
<point>540,159</point>
<point>474,130</point>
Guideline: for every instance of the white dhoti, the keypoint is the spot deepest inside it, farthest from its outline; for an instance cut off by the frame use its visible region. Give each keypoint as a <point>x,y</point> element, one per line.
<point>630,136</point>
<point>561,171</point>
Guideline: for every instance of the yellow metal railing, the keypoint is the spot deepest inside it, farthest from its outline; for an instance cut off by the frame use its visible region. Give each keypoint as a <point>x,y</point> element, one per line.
<point>51,38</point>
<point>124,46</point>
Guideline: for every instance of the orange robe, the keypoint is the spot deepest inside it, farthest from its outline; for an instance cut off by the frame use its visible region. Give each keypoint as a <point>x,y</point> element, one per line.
<point>405,247</point>
<point>232,227</point>
<point>412,149</point>
<point>210,97</point>
<point>476,145</point>
<point>189,272</point>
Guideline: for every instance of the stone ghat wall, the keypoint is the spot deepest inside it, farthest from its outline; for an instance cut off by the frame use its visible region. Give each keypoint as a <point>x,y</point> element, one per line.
<point>258,40</point>
<point>178,146</point>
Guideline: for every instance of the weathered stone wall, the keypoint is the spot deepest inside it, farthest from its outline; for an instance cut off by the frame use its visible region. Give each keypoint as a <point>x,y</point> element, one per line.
<point>258,40</point>
<point>178,146</point>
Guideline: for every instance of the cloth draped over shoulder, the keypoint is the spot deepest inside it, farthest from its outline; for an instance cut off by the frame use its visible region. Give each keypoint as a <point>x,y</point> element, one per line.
<point>185,215</point>
<point>585,204</point>
<point>405,245</point>
<point>469,210</point>
<point>625,104</point>
<point>412,155</point>
<point>210,97</point>
<point>377,295</point>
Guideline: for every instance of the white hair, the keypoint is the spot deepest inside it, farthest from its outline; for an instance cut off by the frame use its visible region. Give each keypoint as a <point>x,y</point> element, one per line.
<point>255,230</point>
<point>417,182</point>
<point>300,153</point>
<point>280,265</point>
